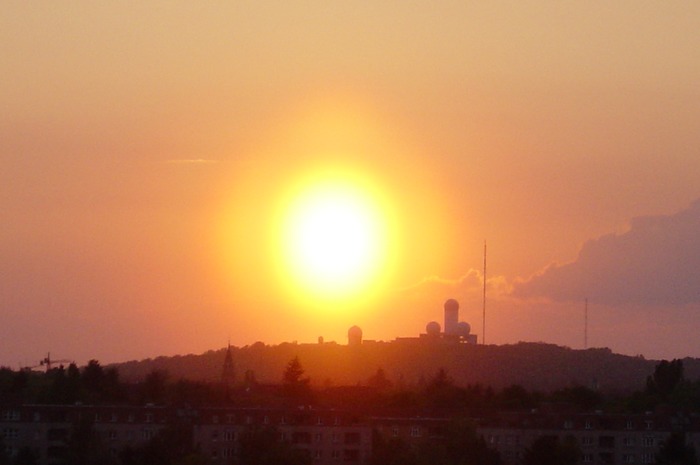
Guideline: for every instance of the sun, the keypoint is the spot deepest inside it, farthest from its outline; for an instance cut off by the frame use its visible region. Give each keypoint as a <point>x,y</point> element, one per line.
<point>334,238</point>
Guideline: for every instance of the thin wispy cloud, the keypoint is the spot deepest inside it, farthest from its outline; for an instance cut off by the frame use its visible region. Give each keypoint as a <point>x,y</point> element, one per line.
<point>470,281</point>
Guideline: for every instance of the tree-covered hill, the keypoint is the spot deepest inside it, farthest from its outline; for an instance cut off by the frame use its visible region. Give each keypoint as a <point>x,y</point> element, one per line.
<point>536,366</point>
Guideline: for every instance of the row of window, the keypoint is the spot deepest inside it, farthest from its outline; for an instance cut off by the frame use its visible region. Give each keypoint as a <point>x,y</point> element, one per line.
<point>14,415</point>
<point>266,419</point>
<point>629,424</point>
<point>645,458</point>
<point>607,442</point>
<point>297,437</point>
<point>347,455</point>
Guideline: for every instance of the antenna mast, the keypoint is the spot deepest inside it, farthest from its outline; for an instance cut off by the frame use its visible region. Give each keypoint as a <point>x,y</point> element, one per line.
<point>483,327</point>
<point>585,325</point>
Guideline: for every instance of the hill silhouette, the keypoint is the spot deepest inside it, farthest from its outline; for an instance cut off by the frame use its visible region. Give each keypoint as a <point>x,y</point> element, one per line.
<point>535,366</point>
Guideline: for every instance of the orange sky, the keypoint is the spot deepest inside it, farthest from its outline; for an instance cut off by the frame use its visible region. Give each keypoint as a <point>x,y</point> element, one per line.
<point>146,149</point>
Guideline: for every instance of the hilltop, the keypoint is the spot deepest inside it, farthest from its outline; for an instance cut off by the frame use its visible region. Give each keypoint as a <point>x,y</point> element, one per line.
<point>535,366</point>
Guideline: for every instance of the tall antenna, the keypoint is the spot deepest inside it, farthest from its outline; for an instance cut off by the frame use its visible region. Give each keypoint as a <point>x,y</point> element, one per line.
<point>585,325</point>
<point>483,325</point>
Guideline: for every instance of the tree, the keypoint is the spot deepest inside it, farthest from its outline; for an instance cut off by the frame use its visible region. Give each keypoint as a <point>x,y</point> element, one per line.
<point>264,447</point>
<point>549,450</point>
<point>294,372</point>
<point>379,381</point>
<point>667,375</point>
<point>92,378</point>
<point>25,456</point>
<point>154,386</point>
<point>296,387</point>
<point>675,451</point>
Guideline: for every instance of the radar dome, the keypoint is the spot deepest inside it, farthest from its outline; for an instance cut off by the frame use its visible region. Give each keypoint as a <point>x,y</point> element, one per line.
<point>433,328</point>
<point>463,329</point>
<point>354,336</point>
<point>451,305</point>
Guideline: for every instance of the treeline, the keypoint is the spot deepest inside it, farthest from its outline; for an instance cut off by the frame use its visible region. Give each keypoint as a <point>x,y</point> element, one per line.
<point>667,386</point>
<point>535,366</point>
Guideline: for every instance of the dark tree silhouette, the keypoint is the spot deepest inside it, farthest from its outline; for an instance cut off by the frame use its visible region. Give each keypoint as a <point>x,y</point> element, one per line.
<point>264,447</point>
<point>379,380</point>
<point>675,451</point>
<point>295,386</point>
<point>667,375</point>
<point>549,450</point>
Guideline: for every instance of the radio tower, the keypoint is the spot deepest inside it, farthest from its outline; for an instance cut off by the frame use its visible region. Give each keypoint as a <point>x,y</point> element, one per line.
<point>483,324</point>
<point>585,324</point>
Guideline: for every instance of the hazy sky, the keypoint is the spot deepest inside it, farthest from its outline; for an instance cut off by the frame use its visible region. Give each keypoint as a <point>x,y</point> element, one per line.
<point>146,149</point>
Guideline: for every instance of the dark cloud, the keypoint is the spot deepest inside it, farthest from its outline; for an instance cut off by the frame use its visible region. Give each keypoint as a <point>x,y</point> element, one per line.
<point>656,262</point>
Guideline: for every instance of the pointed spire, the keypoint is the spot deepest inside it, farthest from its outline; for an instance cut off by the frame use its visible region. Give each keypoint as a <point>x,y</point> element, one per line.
<point>228,374</point>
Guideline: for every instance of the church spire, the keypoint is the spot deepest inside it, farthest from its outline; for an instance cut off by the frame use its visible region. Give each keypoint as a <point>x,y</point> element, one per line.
<point>228,374</point>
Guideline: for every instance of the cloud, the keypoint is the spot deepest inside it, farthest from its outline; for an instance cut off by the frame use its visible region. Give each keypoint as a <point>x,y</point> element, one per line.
<point>471,281</point>
<point>656,262</point>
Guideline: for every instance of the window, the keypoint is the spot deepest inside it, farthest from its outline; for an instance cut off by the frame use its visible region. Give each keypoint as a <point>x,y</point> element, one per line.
<point>650,424</point>
<point>266,419</point>
<point>335,454</point>
<point>587,441</point>
<point>568,424</point>
<point>395,431</point>
<point>227,453</point>
<point>352,438</point>
<point>147,434</point>
<point>629,424</point>
<point>301,437</point>
<point>627,441</point>
<point>10,433</point>
<point>318,437</point>
<point>648,441</point>
<point>628,458</point>
<point>415,432</point>
<point>112,435</point>
<point>587,458</point>
<point>494,439</point>
<point>606,441</point>
<point>336,421</point>
<point>97,418</point>
<point>214,436</point>
<point>229,435</point>
<point>351,455</point>
<point>113,418</point>
<point>334,437</point>
<point>319,421</point>
<point>131,418</point>
<point>215,419</point>
<point>648,458</point>
<point>318,454</point>
<point>230,418</point>
<point>11,415</point>
<point>149,418</point>
<point>588,425</point>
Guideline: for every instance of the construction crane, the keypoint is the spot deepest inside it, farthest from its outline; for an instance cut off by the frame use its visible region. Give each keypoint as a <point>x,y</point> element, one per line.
<point>48,362</point>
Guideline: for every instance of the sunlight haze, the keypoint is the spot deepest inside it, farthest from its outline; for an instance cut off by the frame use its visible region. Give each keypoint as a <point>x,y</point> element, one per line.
<point>153,155</point>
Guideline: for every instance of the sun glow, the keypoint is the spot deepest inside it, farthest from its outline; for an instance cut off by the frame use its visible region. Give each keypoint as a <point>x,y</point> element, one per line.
<point>334,239</point>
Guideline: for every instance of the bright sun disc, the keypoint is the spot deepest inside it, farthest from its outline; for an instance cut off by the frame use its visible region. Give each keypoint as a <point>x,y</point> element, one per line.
<point>334,239</point>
